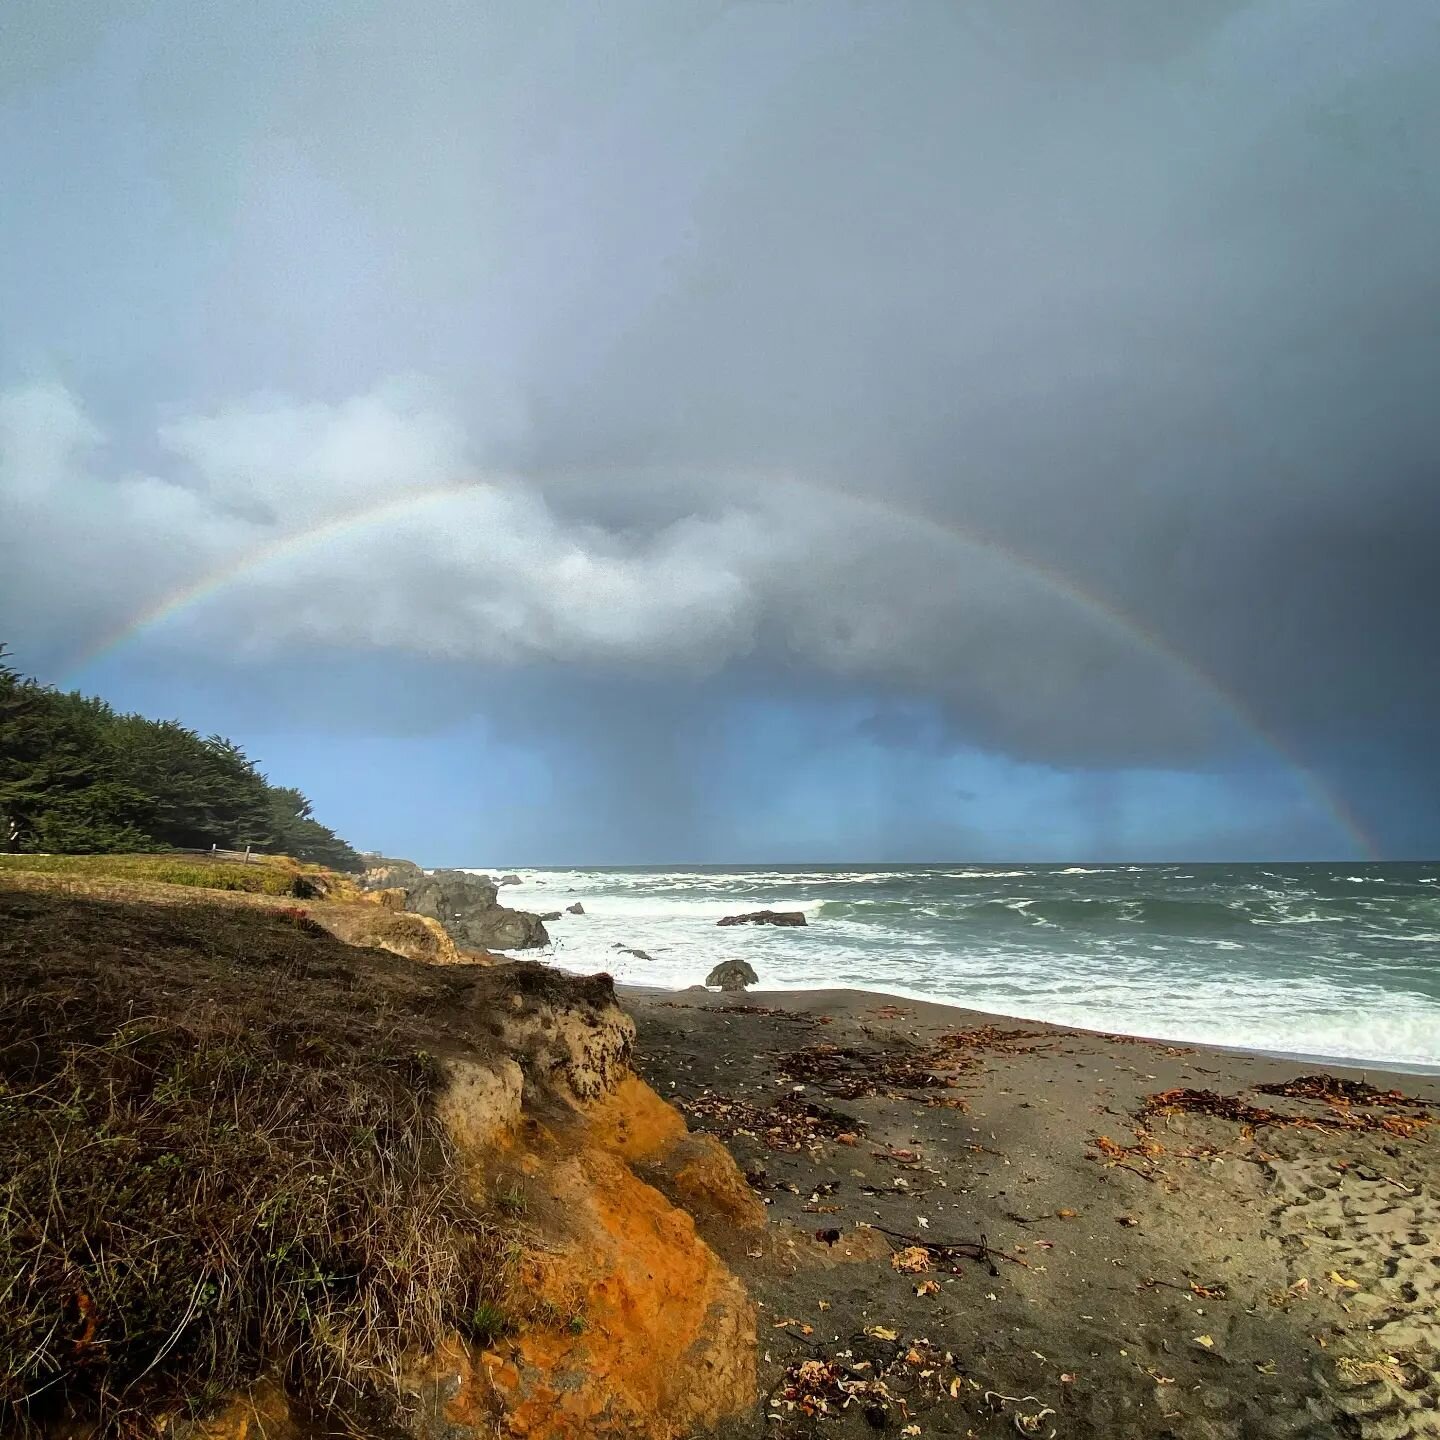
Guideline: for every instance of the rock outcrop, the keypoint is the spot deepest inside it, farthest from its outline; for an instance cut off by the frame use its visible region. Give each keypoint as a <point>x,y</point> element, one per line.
<point>765,917</point>
<point>732,975</point>
<point>381,873</point>
<point>465,904</point>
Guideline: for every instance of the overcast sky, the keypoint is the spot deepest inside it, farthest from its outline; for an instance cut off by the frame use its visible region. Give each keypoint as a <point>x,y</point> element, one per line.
<point>742,429</point>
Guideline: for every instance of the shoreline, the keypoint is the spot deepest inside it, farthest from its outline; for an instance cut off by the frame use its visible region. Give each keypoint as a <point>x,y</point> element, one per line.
<point>1013,1225</point>
<point>803,998</point>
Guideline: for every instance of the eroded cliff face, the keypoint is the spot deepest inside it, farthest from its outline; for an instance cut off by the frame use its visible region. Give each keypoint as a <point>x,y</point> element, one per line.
<point>630,1325</point>
<point>626,1323</point>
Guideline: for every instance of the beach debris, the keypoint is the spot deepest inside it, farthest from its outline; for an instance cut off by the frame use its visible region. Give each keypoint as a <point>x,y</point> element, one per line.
<point>824,1388</point>
<point>1252,1117</point>
<point>1355,1371</point>
<point>1175,1052</point>
<point>796,1017</point>
<point>911,1260</point>
<point>1026,1422</point>
<point>1139,1158</point>
<point>1214,1291</point>
<point>1335,1087</point>
<point>790,1123</point>
<point>993,1039</point>
<point>889,1380</point>
<point>849,1074</point>
<point>949,1252</point>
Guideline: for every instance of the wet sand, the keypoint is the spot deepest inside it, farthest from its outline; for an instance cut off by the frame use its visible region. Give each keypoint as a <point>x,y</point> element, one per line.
<point>982,1227</point>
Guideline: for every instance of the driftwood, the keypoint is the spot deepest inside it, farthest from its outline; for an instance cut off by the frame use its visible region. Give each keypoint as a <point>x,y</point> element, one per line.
<point>980,1250</point>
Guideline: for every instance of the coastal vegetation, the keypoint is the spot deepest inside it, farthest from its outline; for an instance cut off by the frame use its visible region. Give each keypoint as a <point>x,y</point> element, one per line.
<point>257,878</point>
<point>269,1164</point>
<point>78,776</point>
<point>198,1186</point>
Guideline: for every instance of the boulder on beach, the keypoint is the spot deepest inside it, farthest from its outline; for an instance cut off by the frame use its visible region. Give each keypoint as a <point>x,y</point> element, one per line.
<point>766,917</point>
<point>732,975</point>
<point>576,909</point>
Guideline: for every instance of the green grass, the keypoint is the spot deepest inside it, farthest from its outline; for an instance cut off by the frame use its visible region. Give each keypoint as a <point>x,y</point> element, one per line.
<point>200,1186</point>
<point>256,878</point>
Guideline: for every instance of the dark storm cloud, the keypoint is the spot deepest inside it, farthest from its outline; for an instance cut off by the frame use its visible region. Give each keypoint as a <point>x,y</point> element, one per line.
<point>761,321</point>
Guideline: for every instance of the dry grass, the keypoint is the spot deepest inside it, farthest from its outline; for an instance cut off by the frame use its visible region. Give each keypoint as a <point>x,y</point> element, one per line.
<point>268,875</point>
<point>200,1185</point>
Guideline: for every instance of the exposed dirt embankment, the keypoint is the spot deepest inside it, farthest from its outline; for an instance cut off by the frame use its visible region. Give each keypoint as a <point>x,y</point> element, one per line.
<point>256,1181</point>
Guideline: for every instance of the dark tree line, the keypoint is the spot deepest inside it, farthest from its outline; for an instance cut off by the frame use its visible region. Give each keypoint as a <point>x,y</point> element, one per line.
<point>78,777</point>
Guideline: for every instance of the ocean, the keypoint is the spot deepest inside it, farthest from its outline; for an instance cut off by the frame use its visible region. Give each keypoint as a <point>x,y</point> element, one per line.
<point>1333,961</point>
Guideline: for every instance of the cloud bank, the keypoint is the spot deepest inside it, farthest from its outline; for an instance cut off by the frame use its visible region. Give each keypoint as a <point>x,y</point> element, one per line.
<point>982,358</point>
<point>273,529</point>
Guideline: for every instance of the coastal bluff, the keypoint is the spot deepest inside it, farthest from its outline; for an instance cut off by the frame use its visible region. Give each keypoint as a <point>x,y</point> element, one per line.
<point>346,1190</point>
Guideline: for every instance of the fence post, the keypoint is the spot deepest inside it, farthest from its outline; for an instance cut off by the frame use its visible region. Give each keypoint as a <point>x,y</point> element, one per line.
<point>247,854</point>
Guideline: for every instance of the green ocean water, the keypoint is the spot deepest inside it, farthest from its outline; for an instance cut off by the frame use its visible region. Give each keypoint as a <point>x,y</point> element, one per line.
<point>1338,961</point>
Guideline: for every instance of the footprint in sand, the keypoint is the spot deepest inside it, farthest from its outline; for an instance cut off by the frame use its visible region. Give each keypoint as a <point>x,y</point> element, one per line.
<point>1365,1235</point>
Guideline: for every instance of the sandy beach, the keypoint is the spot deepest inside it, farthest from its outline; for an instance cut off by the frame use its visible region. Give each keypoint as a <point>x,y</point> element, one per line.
<point>979,1227</point>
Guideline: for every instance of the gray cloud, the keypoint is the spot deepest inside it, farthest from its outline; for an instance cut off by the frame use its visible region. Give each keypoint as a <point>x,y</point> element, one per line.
<point>741,317</point>
<point>365,526</point>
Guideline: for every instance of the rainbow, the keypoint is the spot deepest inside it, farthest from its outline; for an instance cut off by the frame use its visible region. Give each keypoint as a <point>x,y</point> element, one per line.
<point>1053,581</point>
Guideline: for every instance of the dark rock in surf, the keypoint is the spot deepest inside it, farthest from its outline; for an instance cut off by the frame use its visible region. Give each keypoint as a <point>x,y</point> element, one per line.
<point>463,903</point>
<point>732,975</point>
<point>766,917</point>
<point>508,880</point>
<point>631,950</point>
<point>576,909</point>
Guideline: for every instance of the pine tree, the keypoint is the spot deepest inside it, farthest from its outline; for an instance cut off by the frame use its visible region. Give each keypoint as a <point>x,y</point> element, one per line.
<point>75,777</point>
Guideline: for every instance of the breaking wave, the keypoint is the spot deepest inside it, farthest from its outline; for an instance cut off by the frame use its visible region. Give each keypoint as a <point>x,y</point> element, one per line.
<point>1338,962</point>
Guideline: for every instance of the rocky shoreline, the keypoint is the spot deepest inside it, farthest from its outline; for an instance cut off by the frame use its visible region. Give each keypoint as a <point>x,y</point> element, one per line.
<point>789,1215</point>
<point>467,905</point>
